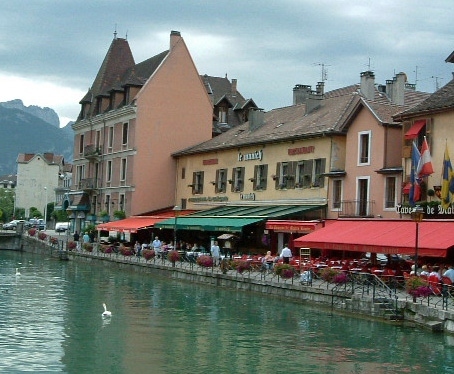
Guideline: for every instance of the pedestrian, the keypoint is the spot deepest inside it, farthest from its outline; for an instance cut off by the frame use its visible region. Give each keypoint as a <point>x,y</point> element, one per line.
<point>86,238</point>
<point>137,248</point>
<point>215,253</point>
<point>76,238</point>
<point>157,246</point>
<point>286,254</point>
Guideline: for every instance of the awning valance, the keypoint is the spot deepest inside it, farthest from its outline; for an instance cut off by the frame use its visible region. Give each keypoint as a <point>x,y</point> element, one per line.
<point>292,226</point>
<point>415,129</point>
<point>233,218</point>
<point>383,236</point>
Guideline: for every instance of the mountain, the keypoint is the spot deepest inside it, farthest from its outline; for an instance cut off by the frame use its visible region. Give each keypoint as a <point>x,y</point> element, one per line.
<point>46,114</point>
<point>25,131</point>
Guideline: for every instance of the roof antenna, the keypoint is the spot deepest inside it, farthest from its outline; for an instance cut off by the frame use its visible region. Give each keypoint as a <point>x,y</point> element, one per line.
<point>115,32</point>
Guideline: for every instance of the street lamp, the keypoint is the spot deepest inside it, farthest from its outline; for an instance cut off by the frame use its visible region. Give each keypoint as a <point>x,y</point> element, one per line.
<point>45,209</point>
<point>176,210</point>
<point>417,214</point>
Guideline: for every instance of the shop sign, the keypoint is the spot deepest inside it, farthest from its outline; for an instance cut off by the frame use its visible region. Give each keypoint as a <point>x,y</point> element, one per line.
<point>247,196</point>
<point>257,155</point>
<point>207,198</point>
<point>211,161</point>
<point>301,150</point>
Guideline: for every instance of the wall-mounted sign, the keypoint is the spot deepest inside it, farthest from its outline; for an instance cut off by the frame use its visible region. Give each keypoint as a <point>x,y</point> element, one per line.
<point>428,210</point>
<point>301,150</point>
<point>257,155</point>
<point>247,196</point>
<point>211,161</point>
<point>207,198</point>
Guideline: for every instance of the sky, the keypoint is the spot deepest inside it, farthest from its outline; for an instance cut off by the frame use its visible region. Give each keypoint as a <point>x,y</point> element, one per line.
<point>51,50</point>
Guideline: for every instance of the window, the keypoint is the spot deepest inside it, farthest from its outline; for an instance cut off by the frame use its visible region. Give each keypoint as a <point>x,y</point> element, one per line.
<point>123,170</point>
<point>364,148</point>
<point>319,169</point>
<point>285,175</point>
<point>81,144</point>
<point>260,177</point>
<point>390,191</point>
<point>238,179</point>
<point>110,137</point>
<point>197,182</point>
<point>122,202</point>
<point>304,173</point>
<point>221,181</point>
<point>80,175</point>
<point>98,139</point>
<point>363,197</point>
<point>183,173</point>
<point>125,133</point>
<point>222,118</point>
<point>107,203</point>
<point>337,193</point>
<point>109,171</point>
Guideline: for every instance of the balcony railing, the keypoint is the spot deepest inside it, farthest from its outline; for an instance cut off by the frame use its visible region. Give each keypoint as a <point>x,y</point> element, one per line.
<point>88,184</point>
<point>356,208</point>
<point>91,151</point>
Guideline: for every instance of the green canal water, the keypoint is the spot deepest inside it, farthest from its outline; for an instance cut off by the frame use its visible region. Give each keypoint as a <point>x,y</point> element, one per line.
<point>50,321</point>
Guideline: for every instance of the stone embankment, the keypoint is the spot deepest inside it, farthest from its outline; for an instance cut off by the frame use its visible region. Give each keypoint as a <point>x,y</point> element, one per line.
<point>363,296</point>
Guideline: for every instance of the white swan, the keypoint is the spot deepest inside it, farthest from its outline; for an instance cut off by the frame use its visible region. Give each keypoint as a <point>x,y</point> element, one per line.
<point>106,313</point>
<point>17,271</point>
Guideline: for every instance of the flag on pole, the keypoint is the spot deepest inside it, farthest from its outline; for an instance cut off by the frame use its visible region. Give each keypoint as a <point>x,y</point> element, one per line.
<point>447,188</point>
<point>415,189</point>
<point>425,167</point>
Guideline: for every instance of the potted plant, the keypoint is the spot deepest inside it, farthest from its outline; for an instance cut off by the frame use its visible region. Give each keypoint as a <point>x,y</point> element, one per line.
<point>418,287</point>
<point>242,266</point>
<point>88,247</point>
<point>42,236</point>
<point>148,254</point>
<point>32,231</point>
<point>205,261</point>
<point>173,256</point>
<point>72,245</point>
<point>53,240</point>
<point>126,251</point>
<point>285,271</point>
<point>328,274</point>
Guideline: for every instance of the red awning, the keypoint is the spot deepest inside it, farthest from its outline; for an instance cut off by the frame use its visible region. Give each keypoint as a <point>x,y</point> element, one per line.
<point>131,224</point>
<point>292,226</point>
<point>383,236</point>
<point>415,129</point>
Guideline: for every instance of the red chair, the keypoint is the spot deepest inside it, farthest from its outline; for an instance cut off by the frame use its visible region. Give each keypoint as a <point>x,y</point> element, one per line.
<point>434,283</point>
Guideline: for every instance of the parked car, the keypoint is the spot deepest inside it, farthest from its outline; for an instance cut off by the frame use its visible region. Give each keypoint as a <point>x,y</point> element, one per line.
<point>61,226</point>
<point>13,224</point>
<point>37,223</point>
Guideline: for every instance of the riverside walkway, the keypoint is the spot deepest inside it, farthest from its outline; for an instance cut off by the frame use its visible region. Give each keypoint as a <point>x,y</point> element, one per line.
<point>362,293</point>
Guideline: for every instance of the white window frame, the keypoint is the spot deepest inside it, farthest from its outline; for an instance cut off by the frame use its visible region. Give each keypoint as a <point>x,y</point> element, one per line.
<point>361,143</point>
<point>385,197</point>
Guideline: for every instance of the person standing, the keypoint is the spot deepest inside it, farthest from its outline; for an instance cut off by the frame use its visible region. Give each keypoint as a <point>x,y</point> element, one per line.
<point>215,253</point>
<point>157,245</point>
<point>76,238</point>
<point>449,273</point>
<point>286,254</point>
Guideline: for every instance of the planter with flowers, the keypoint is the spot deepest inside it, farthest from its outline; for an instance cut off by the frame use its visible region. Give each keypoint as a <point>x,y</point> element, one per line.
<point>53,240</point>
<point>205,261</point>
<point>72,245</point>
<point>328,274</point>
<point>42,235</point>
<point>32,231</point>
<point>340,278</point>
<point>88,247</point>
<point>285,271</point>
<point>106,248</point>
<point>242,266</point>
<point>418,287</point>
<point>173,256</point>
<point>148,254</point>
<point>126,251</point>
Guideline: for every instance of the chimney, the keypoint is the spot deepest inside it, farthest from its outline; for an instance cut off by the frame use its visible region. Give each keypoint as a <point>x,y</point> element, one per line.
<point>367,86</point>
<point>175,36</point>
<point>234,86</point>
<point>256,118</point>
<point>399,88</point>
<point>313,102</point>
<point>320,88</point>
<point>301,93</point>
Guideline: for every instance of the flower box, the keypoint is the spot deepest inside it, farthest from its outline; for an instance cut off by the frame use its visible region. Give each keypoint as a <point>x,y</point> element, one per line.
<point>173,256</point>
<point>42,236</point>
<point>32,231</point>
<point>72,245</point>
<point>88,247</point>
<point>285,271</point>
<point>148,254</point>
<point>328,274</point>
<point>242,266</point>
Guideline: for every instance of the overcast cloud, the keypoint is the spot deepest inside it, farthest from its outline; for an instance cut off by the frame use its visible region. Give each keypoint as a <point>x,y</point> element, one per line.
<point>51,50</point>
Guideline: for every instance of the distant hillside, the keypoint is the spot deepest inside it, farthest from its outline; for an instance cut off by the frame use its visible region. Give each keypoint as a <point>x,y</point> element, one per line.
<point>46,114</point>
<point>23,132</point>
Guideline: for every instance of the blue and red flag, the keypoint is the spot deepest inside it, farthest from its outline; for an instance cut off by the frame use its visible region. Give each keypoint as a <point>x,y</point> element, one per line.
<point>415,189</point>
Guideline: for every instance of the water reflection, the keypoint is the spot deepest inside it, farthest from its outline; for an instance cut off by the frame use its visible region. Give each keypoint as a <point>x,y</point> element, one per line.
<point>50,320</point>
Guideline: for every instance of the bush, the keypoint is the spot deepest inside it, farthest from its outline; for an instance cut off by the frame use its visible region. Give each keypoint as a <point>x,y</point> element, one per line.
<point>340,278</point>
<point>126,251</point>
<point>418,287</point>
<point>32,231</point>
<point>242,266</point>
<point>42,236</point>
<point>72,245</point>
<point>88,247</point>
<point>53,240</point>
<point>105,248</point>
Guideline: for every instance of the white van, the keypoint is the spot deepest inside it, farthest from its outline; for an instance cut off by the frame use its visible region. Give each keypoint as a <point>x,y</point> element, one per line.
<point>61,226</point>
